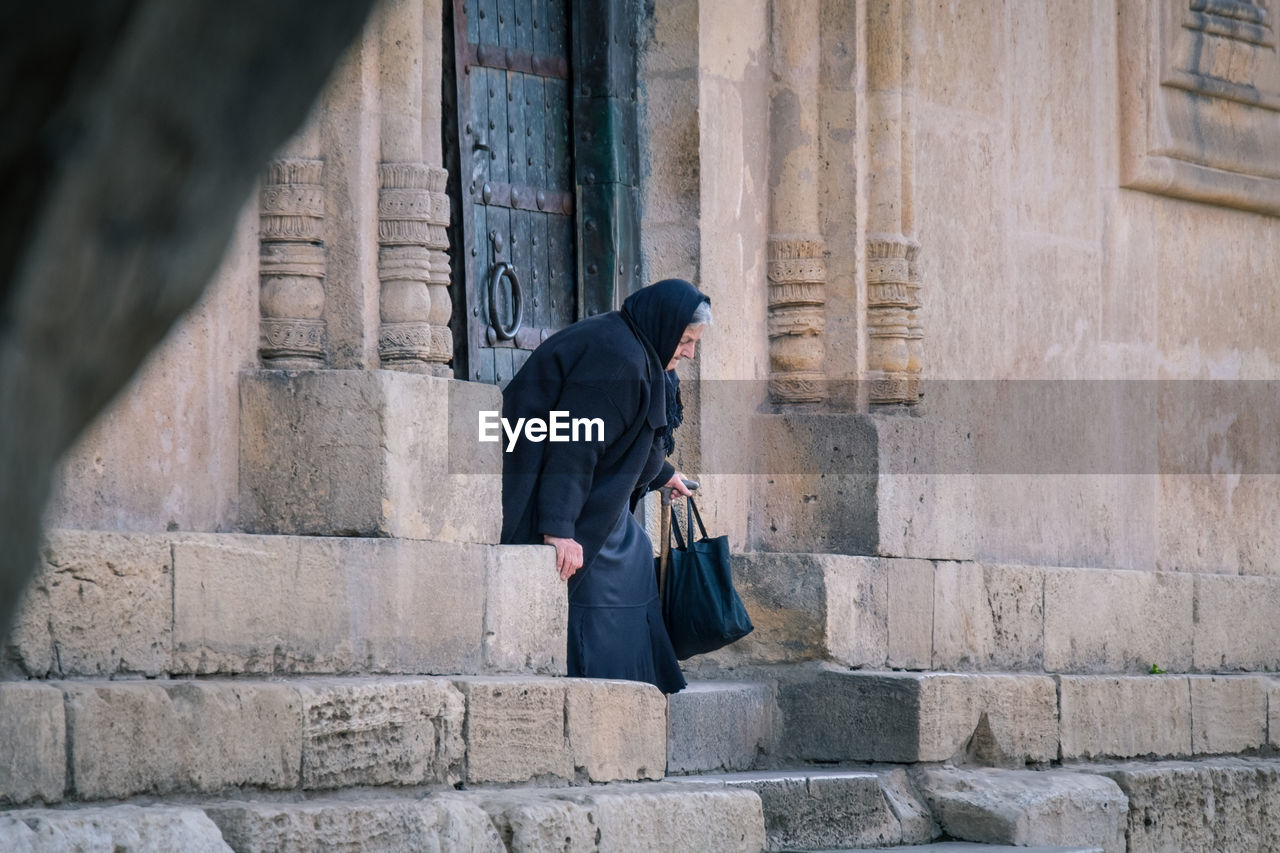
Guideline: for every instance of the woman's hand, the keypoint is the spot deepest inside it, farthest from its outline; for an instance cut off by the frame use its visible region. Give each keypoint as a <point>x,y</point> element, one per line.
<point>568,555</point>
<point>677,486</point>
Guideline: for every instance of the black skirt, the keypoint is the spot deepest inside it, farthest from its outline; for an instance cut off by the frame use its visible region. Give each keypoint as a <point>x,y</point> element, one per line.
<point>615,617</point>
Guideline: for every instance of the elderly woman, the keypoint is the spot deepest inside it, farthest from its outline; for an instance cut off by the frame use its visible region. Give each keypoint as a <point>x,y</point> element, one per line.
<point>619,368</point>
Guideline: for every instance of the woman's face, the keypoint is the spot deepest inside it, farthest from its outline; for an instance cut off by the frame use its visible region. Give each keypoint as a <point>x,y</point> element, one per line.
<point>688,342</point>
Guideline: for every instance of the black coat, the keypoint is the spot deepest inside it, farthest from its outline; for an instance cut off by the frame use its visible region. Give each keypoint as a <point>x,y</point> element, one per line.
<point>611,367</point>
<point>597,368</point>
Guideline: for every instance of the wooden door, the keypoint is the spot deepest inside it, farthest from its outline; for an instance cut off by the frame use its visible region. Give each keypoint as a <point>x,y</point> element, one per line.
<point>515,181</point>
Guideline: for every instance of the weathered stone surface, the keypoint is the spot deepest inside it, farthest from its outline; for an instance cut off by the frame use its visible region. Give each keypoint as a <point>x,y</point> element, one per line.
<point>371,453</point>
<point>820,495</point>
<point>965,847</point>
<point>1020,714</point>
<point>825,809</point>
<point>908,717</point>
<point>381,732</point>
<point>616,729</point>
<point>1232,630</point>
<point>717,725</point>
<point>663,817</point>
<point>150,829</point>
<point>515,730</point>
<point>530,821</point>
<point>787,597</point>
<point>914,817</point>
<point>526,611</point>
<point>101,604</point>
<point>164,455</point>
<point>988,617</point>
<point>129,738</point>
<point>1125,716</point>
<point>273,604</point>
<point>918,513</point>
<point>880,611</point>
<point>1202,806</point>
<point>910,603</point>
<point>626,817</point>
<point>1117,621</point>
<point>33,743</point>
<point>16,836</point>
<point>815,809</point>
<point>862,484</point>
<point>442,822</point>
<point>1273,713</point>
<point>1228,714</point>
<point>877,611</point>
<point>858,611</point>
<point>857,630</point>
<point>1027,807</point>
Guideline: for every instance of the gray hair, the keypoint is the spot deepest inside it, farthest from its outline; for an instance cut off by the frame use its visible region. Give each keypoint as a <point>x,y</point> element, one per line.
<point>701,315</point>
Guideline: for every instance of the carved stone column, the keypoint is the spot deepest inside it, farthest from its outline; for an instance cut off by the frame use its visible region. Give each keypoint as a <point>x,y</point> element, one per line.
<point>797,265</point>
<point>893,326</point>
<point>413,268</point>
<point>797,274</point>
<point>292,265</point>
<point>895,335</point>
<point>413,207</point>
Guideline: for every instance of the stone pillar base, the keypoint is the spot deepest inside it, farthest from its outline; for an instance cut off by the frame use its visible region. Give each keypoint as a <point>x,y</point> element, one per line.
<point>367,453</point>
<point>883,484</point>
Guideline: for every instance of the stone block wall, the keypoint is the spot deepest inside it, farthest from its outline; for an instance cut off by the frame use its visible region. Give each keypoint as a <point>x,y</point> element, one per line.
<point>164,454</point>
<point>953,616</point>
<point>1048,266</point>
<point>131,605</point>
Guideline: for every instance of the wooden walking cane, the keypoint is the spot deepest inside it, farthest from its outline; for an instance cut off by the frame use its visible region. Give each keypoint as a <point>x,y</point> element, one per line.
<point>664,528</point>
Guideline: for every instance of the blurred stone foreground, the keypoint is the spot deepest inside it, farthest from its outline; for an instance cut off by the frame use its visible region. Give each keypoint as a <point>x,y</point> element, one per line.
<point>987,413</point>
<point>134,130</point>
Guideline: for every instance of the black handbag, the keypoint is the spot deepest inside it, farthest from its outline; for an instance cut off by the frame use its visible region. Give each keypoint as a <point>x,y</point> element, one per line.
<point>700,607</point>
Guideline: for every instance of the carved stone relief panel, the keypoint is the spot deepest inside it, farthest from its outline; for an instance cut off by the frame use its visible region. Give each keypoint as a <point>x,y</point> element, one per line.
<point>1200,101</point>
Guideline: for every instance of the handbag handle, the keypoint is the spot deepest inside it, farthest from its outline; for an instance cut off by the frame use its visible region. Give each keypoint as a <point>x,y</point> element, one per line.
<point>675,531</point>
<point>691,513</point>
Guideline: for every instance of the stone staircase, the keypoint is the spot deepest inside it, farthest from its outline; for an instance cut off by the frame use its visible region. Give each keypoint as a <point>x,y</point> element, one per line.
<point>242,692</point>
<point>915,700</point>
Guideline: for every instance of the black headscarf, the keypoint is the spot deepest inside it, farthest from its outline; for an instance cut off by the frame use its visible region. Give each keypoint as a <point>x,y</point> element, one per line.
<point>659,314</point>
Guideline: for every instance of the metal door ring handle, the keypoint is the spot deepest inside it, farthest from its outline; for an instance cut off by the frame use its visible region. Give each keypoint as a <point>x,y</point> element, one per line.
<point>502,270</point>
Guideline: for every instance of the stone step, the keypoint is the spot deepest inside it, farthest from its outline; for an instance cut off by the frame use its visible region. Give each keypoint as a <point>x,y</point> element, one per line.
<point>616,817</point>
<point>1202,806</point>
<point>831,714</point>
<point>1027,807</point>
<point>811,808</point>
<point>140,604</point>
<point>153,829</point>
<point>718,726</point>
<point>94,740</point>
<point>968,847</point>
<point>900,613</point>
